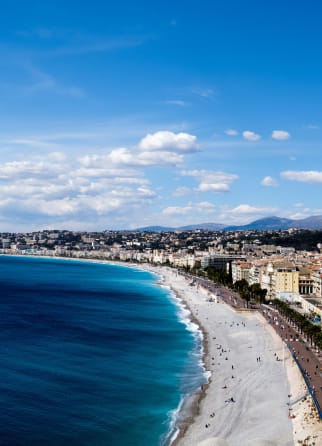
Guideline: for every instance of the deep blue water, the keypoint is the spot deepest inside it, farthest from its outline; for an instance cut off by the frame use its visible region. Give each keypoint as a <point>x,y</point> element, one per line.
<point>91,354</point>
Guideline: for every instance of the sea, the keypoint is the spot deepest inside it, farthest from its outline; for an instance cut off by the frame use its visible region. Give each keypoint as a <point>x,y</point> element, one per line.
<point>92,354</point>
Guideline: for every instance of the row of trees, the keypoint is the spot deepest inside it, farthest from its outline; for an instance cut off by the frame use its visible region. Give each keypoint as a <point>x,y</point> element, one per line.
<point>311,331</point>
<point>252,292</point>
<point>219,276</point>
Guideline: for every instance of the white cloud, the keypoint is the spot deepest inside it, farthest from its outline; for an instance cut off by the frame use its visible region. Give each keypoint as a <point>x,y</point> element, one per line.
<point>280,135</point>
<point>243,209</point>
<point>169,141</point>
<point>251,136</point>
<point>20,169</point>
<point>177,102</point>
<point>47,189</point>
<point>163,148</point>
<point>269,181</point>
<point>120,156</point>
<point>304,176</point>
<point>131,158</point>
<point>106,188</point>
<point>161,158</point>
<point>212,181</point>
<point>231,132</point>
<point>213,187</point>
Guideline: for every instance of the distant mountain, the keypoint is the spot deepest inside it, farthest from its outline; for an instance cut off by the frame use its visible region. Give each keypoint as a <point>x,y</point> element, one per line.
<point>263,224</point>
<point>314,222</point>
<point>205,226</point>
<point>155,229</point>
<point>278,223</point>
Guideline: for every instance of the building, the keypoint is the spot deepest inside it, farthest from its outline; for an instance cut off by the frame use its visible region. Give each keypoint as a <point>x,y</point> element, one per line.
<point>285,278</point>
<point>240,270</point>
<point>305,281</point>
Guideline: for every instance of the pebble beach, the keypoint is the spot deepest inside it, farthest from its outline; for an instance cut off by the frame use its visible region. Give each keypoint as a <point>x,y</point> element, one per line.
<point>246,399</point>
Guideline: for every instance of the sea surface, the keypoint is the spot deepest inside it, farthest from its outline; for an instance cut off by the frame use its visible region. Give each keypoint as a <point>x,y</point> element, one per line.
<point>91,354</point>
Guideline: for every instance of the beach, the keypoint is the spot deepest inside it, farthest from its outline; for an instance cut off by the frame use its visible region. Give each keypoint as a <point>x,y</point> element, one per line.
<point>246,401</point>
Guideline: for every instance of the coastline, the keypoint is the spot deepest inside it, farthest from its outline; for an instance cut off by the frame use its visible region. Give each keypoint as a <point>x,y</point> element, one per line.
<point>271,405</point>
<point>264,417</point>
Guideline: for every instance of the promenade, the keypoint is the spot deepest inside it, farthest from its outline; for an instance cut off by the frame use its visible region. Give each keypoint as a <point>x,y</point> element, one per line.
<point>307,358</point>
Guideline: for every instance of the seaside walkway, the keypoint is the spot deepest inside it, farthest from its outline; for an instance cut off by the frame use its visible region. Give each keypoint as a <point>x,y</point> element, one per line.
<point>302,352</point>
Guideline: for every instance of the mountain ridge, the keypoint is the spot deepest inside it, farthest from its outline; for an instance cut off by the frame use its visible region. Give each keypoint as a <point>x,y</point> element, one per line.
<point>313,222</point>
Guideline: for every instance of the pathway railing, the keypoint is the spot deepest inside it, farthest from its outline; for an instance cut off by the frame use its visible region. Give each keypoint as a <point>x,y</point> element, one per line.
<point>311,391</point>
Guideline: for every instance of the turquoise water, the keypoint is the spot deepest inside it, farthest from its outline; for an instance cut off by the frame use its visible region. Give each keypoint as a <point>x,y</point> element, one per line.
<point>92,354</point>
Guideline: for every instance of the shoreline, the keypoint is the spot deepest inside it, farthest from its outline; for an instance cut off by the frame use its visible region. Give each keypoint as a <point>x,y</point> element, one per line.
<point>189,407</point>
<point>191,404</point>
<point>193,414</point>
<point>191,427</point>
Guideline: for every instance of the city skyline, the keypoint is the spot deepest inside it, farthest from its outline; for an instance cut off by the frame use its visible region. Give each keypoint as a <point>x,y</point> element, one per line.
<point>130,115</point>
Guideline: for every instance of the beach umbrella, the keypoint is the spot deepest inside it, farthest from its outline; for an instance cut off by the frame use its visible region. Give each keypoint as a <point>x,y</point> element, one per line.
<point>214,441</point>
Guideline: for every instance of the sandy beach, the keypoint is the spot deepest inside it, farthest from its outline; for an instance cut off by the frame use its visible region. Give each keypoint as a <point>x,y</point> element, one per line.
<point>246,400</point>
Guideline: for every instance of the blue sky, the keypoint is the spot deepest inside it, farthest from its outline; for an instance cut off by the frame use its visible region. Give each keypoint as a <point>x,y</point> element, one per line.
<point>116,115</point>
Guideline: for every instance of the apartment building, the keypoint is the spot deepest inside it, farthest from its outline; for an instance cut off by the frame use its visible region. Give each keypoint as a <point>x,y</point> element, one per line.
<point>240,270</point>
<point>285,278</point>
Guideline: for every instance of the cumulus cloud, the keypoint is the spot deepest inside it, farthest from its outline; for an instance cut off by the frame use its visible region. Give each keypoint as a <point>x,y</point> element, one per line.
<point>251,136</point>
<point>280,135</point>
<point>269,181</point>
<point>231,132</point>
<point>163,158</point>
<point>19,169</point>
<point>213,187</point>
<point>103,188</point>
<point>212,181</point>
<point>169,141</point>
<point>304,176</point>
<point>248,209</point>
<point>126,157</point>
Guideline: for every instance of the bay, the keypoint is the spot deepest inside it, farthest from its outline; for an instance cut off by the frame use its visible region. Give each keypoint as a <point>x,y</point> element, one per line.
<point>91,354</point>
